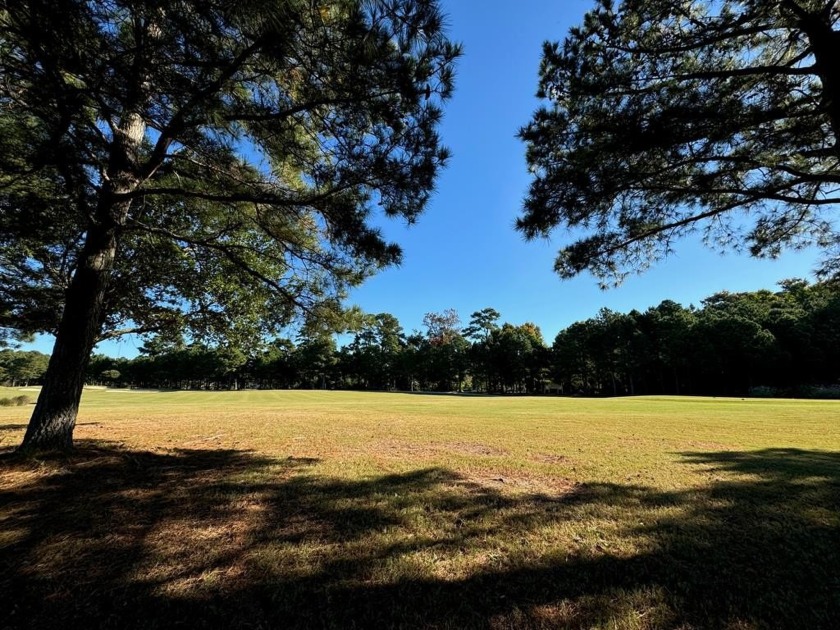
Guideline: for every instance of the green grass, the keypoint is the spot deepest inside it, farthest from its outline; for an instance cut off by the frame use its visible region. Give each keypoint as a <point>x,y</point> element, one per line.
<point>336,509</point>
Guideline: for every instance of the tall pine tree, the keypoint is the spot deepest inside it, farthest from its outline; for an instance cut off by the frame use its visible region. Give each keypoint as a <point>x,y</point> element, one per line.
<point>203,166</point>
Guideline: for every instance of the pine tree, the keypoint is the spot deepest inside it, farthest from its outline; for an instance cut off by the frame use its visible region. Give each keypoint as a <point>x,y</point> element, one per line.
<point>671,116</point>
<point>209,167</point>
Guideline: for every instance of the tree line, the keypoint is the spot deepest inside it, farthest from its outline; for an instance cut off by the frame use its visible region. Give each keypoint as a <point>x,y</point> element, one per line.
<point>22,367</point>
<point>755,343</point>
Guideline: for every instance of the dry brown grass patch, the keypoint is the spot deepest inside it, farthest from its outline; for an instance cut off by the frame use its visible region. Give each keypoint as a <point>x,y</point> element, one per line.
<point>391,448</point>
<point>523,483</point>
<point>549,458</point>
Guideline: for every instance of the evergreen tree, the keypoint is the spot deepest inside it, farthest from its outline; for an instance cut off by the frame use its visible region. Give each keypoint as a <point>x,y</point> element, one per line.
<point>205,166</point>
<point>671,116</point>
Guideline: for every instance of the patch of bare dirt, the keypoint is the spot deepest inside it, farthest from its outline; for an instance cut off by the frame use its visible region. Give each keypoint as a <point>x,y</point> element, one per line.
<point>473,448</point>
<point>549,458</point>
<point>399,449</point>
<point>520,483</point>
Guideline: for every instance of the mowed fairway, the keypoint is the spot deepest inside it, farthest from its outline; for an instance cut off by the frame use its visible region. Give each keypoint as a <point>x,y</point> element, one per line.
<point>336,509</point>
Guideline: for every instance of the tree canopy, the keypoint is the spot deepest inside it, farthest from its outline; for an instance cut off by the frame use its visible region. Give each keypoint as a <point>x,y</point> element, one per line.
<point>210,167</point>
<point>671,116</point>
<point>761,343</point>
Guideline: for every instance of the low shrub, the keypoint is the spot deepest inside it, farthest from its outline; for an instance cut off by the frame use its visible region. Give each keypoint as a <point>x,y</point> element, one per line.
<point>819,391</point>
<point>764,391</point>
<point>16,401</point>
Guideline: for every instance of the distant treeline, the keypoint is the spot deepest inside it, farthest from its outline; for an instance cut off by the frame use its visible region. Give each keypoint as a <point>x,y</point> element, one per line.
<point>22,367</point>
<point>758,343</point>
<point>762,343</point>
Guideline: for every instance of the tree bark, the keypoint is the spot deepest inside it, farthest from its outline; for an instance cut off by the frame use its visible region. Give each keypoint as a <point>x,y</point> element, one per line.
<point>824,45</point>
<point>54,418</point>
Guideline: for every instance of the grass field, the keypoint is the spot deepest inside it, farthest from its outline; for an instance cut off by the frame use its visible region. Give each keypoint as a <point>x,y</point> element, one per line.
<point>335,509</point>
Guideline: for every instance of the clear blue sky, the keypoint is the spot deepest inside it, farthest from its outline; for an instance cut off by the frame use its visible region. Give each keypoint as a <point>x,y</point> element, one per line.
<point>463,252</point>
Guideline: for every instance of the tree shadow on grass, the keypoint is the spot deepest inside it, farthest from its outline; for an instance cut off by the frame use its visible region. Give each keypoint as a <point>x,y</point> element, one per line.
<point>219,538</point>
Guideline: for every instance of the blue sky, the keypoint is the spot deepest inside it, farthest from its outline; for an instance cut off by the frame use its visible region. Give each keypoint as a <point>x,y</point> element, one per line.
<point>463,253</point>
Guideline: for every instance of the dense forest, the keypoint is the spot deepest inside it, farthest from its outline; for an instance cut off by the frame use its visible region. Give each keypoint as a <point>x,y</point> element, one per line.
<point>760,343</point>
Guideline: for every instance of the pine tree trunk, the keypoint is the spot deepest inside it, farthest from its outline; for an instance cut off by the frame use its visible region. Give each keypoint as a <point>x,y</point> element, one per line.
<point>54,418</point>
<point>52,422</point>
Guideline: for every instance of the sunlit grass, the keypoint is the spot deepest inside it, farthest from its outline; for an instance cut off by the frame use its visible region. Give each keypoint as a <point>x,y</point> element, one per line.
<point>310,509</point>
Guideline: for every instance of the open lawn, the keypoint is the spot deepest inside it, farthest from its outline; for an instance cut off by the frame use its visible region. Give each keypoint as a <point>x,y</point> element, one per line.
<point>336,509</point>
